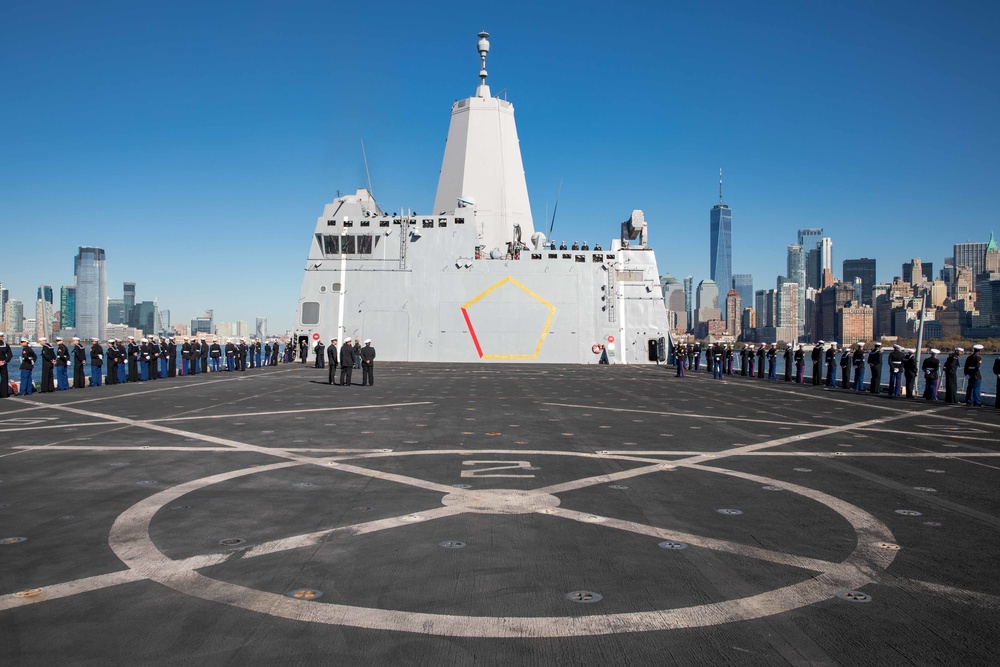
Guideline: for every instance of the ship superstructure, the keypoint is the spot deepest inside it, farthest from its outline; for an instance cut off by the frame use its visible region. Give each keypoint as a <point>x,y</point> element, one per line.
<point>474,281</point>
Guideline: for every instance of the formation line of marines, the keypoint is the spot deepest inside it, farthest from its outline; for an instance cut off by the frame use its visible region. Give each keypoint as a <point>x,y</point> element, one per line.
<point>720,361</point>
<point>130,360</point>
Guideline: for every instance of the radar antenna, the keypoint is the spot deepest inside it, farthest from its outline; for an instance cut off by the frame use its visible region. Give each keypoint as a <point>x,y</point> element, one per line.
<point>555,208</point>
<point>720,185</point>
<point>484,48</point>
<point>367,173</point>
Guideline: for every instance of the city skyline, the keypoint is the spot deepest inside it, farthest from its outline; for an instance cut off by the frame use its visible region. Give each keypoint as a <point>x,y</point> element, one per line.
<point>210,204</point>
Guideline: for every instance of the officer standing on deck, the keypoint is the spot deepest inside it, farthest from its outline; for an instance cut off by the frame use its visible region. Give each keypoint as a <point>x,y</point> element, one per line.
<point>28,357</point>
<point>303,350</point>
<point>875,364</point>
<point>788,362</point>
<point>974,378</point>
<point>951,376</point>
<point>816,356</point>
<point>154,358</point>
<point>320,356</point>
<point>931,366</point>
<point>143,359</point>
<point>845,365</point>
<point>79,359</point>
<point>112,355</point>
<point>230,355</point>
<point>910,371</point>
<point>331,356</point>
<point>5,356</point>
<point>357,354</point>
<point>367,363</point>
<point>96,362</point>
<point>761,353</point>
<point>62,364</point>
<point>772,362</point>
<point>186,357</point>
<point>171,358</point>
<point>800,364</point>
<point>204,355</point>
<point>48,356</point>
<point>242,351</point>
<point>896,371</point>
<point>215,355</point>
<point>346,363</point>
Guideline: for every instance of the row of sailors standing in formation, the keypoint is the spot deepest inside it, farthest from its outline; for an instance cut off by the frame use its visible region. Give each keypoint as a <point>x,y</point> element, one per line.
<point>903,370</point>
<point>576,246</point>
<point>147,359</point>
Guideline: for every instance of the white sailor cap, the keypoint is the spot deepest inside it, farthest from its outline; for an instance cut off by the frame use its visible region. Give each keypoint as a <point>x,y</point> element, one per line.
<point>2,334</point>
<point>788,345</point>
<point>977,346</point>
<point>960,349</point>
<point>934,350</point>
<point>367,340</point>
<point>24,340</point>
<point>878,344</point>
<point>186,338</point>
<point>833,343</point>
<point>94,338</point>
<point>347,340</point>
<point>42,338</point>
<point>143,341</point>
<point>76,338</point>
<point>131,337</point>
<point>897,346</point>
<point>821,342</point>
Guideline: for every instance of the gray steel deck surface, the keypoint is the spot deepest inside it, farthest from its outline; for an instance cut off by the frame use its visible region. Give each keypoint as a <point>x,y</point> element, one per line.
<point>581,480</point>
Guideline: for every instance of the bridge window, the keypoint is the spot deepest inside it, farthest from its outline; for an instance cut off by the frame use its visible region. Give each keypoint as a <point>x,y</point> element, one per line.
<point>383,223</point>
<point>580,258</point>
<point>347,244</point>
<point>428,223</point>
<point>459,221</point>
<point>598,258</point>
<point>331,245</point>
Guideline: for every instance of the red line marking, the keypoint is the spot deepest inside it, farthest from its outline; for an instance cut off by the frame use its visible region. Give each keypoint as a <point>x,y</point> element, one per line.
<point>472,331</point>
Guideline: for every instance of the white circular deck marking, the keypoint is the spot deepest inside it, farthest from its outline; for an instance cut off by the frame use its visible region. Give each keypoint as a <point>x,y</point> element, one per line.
<point>130,539</point>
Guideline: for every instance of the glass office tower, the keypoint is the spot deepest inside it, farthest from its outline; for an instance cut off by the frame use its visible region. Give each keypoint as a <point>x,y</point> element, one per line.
<point>91,293</point>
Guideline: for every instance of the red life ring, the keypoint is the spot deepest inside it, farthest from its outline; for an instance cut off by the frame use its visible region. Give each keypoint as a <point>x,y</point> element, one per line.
<point>596,349</point>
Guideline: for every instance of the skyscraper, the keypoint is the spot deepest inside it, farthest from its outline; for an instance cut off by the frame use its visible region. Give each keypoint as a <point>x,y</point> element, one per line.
<point>721,243</point>
<point>4,298</point>
<point>689,301</point>
<point>825,248</point>
<point>863,268</point>
<point>128,290</point>
<point>91,293</point>
<point>810,238</point>
<point>260,331</point>
<point>743,283</point>
<point>972,255</point>
<point>797,274</point>
<point>44,312</point>
<point>734,309</point>
<point>67,307</point>
<point>116,311</point>
<point>14,317</point>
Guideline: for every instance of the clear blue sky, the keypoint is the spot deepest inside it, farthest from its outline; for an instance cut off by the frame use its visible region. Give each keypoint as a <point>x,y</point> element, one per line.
<point>197,142</point>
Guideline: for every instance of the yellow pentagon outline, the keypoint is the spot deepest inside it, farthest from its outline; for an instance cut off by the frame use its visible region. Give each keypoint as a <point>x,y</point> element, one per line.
<point>545,328</point>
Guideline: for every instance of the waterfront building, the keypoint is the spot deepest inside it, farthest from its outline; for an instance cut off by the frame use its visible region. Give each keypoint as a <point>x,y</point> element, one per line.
<point>743,283</point>
<point>147,317</point>
<point>786,310</point>
<point>116,312</point>
<point>13,318</point>
<point>733,310</point>
<point>689,301</point>
<point>165,320</point>
<point>4,297</point>
<point>675,300</point>
<point>707,297</point>
<point>128,299</point>
<point>203,324</point>
<point>67,307</point>
<point>91,293</point>
<point>260,330</point>
<point>916,272</point>
<point>721,243</point>
<point>856,324</point>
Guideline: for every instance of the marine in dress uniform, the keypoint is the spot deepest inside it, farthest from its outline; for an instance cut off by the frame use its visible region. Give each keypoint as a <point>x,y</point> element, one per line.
<point>896,371</point>
<point>122,361</point>
<point>215,356</point>
<point>242,352</point>
<point>48,358</point>
<point>62,365</point>
<point>346,363</point>
<point>230,355</point>
<point>974,378</point>
<point>331,356</point>
<point>6,354</point>
<point>875,365</point>
<point>79,360</point>
<point>96,362</point>
<point>28,358</point>
<point>931,367</point>
<point>951,375</point>
<point>186,357</point>
<point>256,353</point>
<point>858,359</point>
<point>143,360</point>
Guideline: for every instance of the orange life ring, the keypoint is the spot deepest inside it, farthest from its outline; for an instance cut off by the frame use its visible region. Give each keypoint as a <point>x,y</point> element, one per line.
<point>596,349</point>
